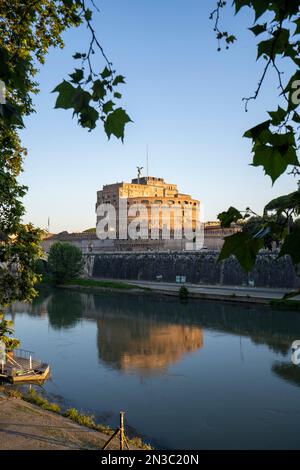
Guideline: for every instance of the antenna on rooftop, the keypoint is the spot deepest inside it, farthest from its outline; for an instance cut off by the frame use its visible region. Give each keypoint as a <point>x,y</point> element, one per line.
<point>147,161</point>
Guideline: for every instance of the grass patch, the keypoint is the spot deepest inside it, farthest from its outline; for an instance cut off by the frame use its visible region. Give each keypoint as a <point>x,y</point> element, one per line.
<point>83,420</point>
<point>104,284</point>
<point>12,393</point>
<point>34,398</point>
<point>89,422</point>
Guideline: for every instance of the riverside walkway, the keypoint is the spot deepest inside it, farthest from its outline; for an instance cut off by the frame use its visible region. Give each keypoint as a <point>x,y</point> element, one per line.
<point>213,292</point>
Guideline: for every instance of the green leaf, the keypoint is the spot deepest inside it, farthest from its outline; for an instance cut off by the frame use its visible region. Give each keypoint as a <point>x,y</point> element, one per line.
<point>88,14</point>
<point>240,4</point>
<point>278,116</point>
<point>244,247</point>
<point>117,95</point>
<point>257,130</point>
<point>260,7</point>
<point>66,95</point>
<point>89,117</point>
<point>230,216</point>
<point>291,246</point>
<point>278,44</point>
<point>283,140</point>
<point>108,107</point>
<point>297,23</point>
<point>296,118</point>
<point>99,90</point>
<point>230,39</point>
<point>81,99</point>
<point>265,47</point>
<point>282,41</point>
<point>106,73</point>
<point>119,79</point>
<point>259,29</point>
<point>77,76</point>
<point>272,160</point>
<point>115,123</point>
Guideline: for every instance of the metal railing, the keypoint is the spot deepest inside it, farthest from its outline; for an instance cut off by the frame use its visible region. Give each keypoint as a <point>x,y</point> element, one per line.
<point>23,353</point>
<point>27,355</point>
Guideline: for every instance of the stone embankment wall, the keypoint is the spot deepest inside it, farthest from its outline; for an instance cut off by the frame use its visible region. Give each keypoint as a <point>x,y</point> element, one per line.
<point>198,267</point>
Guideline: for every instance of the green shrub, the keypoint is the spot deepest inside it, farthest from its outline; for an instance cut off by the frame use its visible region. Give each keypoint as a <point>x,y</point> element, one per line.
<point>65,262</point>
<point>33,397</point>
<point>183,293</point>
<point>79,418</point>
<point>52,407</point>
<point>6,330</point>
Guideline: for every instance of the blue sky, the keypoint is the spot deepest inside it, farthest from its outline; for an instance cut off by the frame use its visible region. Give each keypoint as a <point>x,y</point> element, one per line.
<point>185,99</point>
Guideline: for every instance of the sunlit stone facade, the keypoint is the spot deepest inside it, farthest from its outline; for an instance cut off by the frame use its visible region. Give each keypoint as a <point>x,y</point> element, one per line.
<point>152,193</point>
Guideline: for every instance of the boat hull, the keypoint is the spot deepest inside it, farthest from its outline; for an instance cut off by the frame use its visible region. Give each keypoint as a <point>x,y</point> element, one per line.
<point>35,377</point>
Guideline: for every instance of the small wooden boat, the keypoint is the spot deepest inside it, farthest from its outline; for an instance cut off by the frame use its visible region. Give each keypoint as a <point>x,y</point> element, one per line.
<point>22,367</point>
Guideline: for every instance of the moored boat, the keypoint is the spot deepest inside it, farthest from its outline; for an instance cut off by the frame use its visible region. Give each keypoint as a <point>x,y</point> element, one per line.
<point>21,366</point>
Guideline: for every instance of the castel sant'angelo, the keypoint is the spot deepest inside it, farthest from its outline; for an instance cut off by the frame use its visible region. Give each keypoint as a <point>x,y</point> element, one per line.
<point>151,192</point>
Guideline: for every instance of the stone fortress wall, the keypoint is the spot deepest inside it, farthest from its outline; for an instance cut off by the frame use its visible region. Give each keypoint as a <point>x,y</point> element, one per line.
<point>198,267</point>
<point>105,260</point>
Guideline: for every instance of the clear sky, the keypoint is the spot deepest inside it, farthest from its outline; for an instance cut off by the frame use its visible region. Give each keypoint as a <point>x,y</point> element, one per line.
<point>184,98</point>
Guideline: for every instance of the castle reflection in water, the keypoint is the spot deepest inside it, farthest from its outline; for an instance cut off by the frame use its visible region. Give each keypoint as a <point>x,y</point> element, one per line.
<point>128,339</point>
<point>146,336</point>
<point>146,348</point>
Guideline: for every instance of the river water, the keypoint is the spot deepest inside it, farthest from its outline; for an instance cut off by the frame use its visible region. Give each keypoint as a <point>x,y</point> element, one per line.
<point>201,375</point>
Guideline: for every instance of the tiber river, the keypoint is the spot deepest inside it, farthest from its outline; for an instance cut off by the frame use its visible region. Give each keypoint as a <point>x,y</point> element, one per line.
<point>202,375</point>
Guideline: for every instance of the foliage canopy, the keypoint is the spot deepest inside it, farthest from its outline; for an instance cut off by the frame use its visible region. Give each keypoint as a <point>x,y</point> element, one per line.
<point>275,141</point>
<point>28,29</point>
<point>65,262</point>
